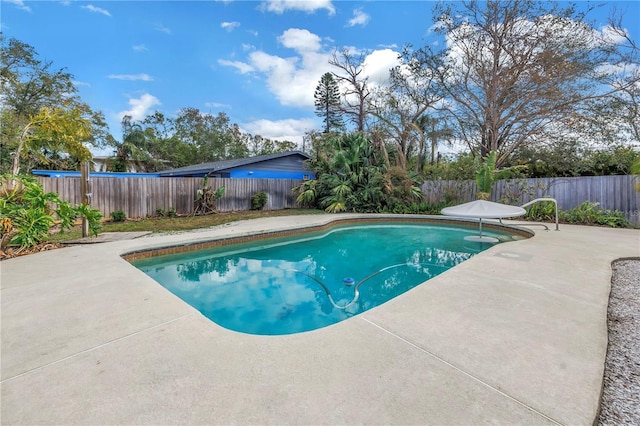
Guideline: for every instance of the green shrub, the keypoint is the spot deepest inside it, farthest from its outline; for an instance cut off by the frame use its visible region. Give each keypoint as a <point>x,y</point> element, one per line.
<point>93,217</point>
<point>33,225</point>
<point>171,212</point>
<point>589,213</point>
<point>586,213</point>
<point>27,213</point>
<point>306,193</point>
<point>258,201</point>
<point>118,216</point>
<point>614,219</point>
<point>462,167</point>
<point>206,198</point>
<point>413,208</point>
<point>542,211</point>
<point>486,176</point>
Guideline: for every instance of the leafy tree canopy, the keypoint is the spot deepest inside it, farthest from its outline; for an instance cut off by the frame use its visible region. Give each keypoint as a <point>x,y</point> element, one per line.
<point>159,142</point>
<point>44,119</point>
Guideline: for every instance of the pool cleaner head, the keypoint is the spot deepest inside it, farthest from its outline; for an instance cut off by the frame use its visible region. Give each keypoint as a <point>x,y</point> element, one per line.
<point>348,281</point>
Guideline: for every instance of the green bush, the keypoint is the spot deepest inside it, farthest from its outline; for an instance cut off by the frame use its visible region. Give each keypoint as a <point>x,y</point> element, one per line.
<point>206,198</point>
<point>415,208</point>
<point>27,213</point>
<point>485,175</point>
<point>258,201</point>
<point>461,166</point>
<point>542,211</point>
<point>118,216</point>
<point>589,213</point>
<point>357,179</point>
<point>93,217</point>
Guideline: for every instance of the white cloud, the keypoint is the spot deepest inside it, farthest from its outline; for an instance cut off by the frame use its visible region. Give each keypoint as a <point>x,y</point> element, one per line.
<point>19,4</point>
<point>162,28</point>
<point>619,70</point>
<point>440,25</point>
<point>309,6</point>
<point>217,105</point>
<point>291,129</point>
<point>300,40</point>
<point>240,66</point>
<point>359,18</point>
<point>377,65</point>
<point>139,48</point>
<point>229,26</point>
<point>140,107</point>
<point>293,79</point>
<point>131,77</point>
<point>81,83</point>
<point>611,36</point>
<point>96,9</point>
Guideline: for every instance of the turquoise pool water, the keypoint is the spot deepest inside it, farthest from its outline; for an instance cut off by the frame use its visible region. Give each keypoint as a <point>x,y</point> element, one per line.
<point>284,286</point>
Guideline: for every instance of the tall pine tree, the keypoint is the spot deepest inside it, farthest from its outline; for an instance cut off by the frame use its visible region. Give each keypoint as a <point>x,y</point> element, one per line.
<point>327,102</point>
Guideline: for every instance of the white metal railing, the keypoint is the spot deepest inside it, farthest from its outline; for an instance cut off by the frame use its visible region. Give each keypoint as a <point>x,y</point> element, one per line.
<point>555,203</point>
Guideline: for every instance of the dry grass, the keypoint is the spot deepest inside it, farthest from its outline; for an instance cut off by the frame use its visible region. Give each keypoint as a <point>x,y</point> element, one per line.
<point>181,223</point>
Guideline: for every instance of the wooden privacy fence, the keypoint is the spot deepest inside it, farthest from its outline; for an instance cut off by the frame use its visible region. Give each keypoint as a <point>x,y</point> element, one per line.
<point>612,192</point>
<point>141,197</point>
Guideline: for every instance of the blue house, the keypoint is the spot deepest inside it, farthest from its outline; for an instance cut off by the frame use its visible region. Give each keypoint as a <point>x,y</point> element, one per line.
<point>283,165</point>
<point>75,173</point>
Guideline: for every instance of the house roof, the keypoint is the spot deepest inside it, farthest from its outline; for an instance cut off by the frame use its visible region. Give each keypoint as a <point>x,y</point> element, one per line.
<point>218,166</point>
<point>72,173</point>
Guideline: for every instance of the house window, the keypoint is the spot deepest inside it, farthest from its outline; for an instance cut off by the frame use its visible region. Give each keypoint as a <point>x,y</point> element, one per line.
<point>305,177</point>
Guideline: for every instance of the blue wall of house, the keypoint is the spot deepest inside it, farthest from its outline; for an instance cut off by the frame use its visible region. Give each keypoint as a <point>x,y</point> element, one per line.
<point>270,174</point>
<point>235,173</point>
<point>70,173</point>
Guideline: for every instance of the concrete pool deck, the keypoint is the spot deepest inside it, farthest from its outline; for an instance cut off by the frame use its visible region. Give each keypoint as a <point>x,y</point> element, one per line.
<point>515,335</point>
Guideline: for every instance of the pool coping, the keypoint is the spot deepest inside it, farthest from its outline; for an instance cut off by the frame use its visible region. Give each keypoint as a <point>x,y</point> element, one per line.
<point>287,232</point>
<point>517,334</point>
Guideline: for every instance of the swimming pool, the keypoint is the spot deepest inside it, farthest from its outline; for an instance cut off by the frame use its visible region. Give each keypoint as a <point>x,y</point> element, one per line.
<point>302,282</point>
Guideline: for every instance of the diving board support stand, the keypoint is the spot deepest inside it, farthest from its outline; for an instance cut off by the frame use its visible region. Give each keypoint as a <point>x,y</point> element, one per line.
<point>480,238</point>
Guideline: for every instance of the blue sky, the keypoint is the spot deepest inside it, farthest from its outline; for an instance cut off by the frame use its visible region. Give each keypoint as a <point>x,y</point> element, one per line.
<point>257,61</point>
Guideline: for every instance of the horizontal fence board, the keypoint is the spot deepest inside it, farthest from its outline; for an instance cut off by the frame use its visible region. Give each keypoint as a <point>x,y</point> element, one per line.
<point>611,192</point>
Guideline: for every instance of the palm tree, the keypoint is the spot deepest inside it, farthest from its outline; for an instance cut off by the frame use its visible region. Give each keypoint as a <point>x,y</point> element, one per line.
<point>356,179</point>
<point>430,128</point>
<point>133,147</point>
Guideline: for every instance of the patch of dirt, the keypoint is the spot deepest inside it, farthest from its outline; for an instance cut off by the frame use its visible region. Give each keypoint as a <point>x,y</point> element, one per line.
<point>15,252</point>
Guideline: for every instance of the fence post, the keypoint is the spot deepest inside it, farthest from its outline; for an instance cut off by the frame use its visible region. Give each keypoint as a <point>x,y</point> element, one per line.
<point>85,190</point>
